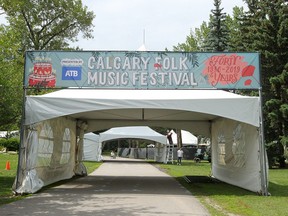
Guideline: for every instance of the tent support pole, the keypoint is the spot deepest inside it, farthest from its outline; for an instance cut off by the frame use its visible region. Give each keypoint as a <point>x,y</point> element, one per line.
<point>262,151</point>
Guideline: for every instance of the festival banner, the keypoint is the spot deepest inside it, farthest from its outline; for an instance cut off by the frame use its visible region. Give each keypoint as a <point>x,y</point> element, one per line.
<point>141,70</point>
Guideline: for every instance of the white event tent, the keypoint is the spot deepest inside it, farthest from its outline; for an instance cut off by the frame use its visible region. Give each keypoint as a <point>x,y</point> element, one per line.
<point>188,139</point>
<point>55,124</point>
<point>92,148</point>
<point>138,132</point>
<point>93,143</point>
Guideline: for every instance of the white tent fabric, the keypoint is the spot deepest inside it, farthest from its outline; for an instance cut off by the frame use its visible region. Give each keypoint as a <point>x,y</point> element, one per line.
<point>212,103</point>
<point>188,138</point>
<point>137,132</point>
<point>234,148</point>
<point>104,109</point>
<point>231,121</point>
<point>142,48</point>
<point>49,154</point>
<point>32,180</point>
<point>92,148</point>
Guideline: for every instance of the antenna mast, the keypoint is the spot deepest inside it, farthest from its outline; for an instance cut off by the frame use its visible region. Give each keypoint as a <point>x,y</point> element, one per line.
<point>144,36</point>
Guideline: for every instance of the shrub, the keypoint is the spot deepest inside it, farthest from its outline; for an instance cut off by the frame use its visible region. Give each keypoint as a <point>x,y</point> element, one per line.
<point>11,144</point>
<point>275,151</point>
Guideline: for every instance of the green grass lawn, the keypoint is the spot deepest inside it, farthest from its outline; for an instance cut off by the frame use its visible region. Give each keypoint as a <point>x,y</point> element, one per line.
<point>225,199</point>
<point>219,198</point>
<point>7,177</point>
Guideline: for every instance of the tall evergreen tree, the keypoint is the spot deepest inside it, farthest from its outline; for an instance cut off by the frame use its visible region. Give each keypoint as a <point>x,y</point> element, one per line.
<point>218,36</point>
<point>234,24</point>
<point>265,30</point>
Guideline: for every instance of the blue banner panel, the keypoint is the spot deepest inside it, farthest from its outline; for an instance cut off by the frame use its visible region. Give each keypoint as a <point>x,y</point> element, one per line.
<point>141,70</point>
<point>71,73</point>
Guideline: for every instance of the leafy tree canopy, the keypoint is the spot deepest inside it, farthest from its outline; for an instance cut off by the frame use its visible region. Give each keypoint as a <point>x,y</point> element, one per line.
<point>34,25</point>
<point>11,70</point>
<point>48,24</point>
<point>194,41</point>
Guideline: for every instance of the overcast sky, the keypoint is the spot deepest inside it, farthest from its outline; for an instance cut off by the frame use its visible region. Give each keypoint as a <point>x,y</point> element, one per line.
<point>120,24</point>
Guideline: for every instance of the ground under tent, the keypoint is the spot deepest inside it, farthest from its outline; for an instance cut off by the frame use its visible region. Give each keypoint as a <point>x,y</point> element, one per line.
<point>55,124</point>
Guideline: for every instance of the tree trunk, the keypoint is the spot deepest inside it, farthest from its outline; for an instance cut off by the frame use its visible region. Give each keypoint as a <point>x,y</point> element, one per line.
<point>179,138</point>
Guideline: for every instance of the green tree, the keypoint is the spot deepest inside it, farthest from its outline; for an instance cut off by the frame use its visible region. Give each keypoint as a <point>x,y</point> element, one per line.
<point>11,76</point>
<point>48,24</point>
<point>234,24</point>
<point>195,41</point>
<point>34,25</point>
<point>218,36</point>
<point>265,30</point>
<point>197,38</point>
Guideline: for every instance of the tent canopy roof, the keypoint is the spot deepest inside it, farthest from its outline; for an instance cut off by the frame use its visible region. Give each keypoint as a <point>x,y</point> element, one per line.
<point>132,132</point>
<point>142,107</point>
<point>187,138</point>
<point>91,136</point>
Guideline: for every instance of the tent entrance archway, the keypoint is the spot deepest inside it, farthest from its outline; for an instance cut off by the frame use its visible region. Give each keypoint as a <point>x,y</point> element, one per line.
<point>231,120</point>
<point>56,122</point>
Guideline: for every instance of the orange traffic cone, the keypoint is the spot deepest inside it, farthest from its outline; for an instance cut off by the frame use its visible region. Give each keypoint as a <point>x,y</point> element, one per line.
<point>7,165</point>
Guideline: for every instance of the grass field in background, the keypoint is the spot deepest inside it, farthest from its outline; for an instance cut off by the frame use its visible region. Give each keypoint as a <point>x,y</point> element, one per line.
<point>220,198</point>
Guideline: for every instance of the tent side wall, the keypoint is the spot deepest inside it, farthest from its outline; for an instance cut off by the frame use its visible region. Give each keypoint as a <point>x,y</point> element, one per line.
<point>235,154</point>
<point>92,148</point>
<point>48,156</point>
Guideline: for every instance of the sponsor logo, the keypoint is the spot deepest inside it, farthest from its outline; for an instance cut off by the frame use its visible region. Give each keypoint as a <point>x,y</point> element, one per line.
<point>71,73</point>
<point>71,69</point>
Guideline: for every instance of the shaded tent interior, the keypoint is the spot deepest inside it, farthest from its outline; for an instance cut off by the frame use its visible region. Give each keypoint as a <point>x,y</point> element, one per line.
<point>93,144</point>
